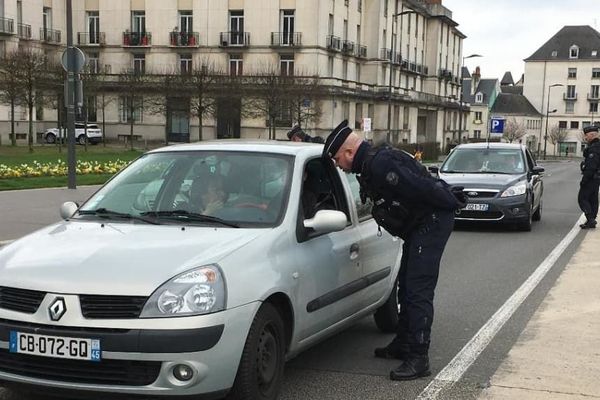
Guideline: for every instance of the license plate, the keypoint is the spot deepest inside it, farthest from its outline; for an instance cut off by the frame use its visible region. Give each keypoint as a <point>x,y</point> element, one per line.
<point>477,207</point>
<point>55,346</point>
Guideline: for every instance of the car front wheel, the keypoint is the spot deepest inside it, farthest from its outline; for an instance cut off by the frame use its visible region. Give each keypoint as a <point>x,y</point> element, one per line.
<point>50,138</point>
<point>537,215</point>
<point>81,139</point>
<point>525,225</point>
<point>260,372</point>
<point>386,316</point>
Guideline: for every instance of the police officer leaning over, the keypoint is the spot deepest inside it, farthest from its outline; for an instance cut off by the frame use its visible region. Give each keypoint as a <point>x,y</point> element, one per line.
<point>409,203</point>
<point>296,134</point>
<point>590,181</point>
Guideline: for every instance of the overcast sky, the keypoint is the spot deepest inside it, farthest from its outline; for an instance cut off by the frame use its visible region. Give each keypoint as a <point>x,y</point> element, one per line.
<point>507,31</point>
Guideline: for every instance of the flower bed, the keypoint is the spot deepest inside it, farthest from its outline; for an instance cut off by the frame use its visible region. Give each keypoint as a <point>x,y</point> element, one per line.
<point>59,168</point>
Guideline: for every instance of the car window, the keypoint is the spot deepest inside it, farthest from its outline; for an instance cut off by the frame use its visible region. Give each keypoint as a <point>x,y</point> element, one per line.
<point>363,210</point>
<point>485,160</point>
<point>530,160</point>
<point>319,190</point>
<point>241,188</point>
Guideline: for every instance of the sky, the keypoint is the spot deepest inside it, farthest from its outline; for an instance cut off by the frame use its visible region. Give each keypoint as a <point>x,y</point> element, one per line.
<point>505,32</point>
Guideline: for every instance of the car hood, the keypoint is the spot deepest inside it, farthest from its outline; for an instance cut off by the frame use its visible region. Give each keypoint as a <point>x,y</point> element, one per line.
<point>482,181</point>
<point>113,258</point>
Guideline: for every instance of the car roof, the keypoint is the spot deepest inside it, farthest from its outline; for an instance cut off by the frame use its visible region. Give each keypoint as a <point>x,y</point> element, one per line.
<point>493,145</point>
<point>248,145</point>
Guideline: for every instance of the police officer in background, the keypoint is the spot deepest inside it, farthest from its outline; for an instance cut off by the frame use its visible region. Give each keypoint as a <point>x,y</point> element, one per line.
<point>409,203</point>
<point>590,181</point>
<point>296,134</point>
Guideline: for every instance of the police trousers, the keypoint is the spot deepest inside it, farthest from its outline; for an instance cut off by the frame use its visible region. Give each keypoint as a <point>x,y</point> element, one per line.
<point>588,198</point>
<point>418,276</point>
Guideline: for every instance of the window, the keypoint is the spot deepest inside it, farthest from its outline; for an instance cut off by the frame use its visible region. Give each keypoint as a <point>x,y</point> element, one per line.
<point>131,108</point>
<point>286,64</point>
<point>595,72</point>
<point>585,124</point>
<point>185,63</point>
<point>477,134</point>
<point>93,18</point>
<point>574,52</point>
<point>358,116</point>
<point>385,8</point>
<point>345,70</point>
<point>572,73</point>
<point>594,53</point>
<point>359,5</point>
<point>139,63</point>
<point>345,110</point>
<point>236,27</point>
<point>93,63</point>
<point>574,124</point>
<point>47,18</point>
<point>19,12</point>
<point>330,66</point>
<point>358,70</point>
<point>569,107</point>
<point>186,21</point>
<point>479,98</point>
<point>405,118</point>
<point>562,124</point>
<point>595,91</point>
<point>236,65</point>
<point>554,53</point>
<point>363,210</point>
<point>91,108</point>
<point>478,116</point>
<point>138,21</point>
<point>594,107</point>
<point>287,26</point>
<point>571,92</point>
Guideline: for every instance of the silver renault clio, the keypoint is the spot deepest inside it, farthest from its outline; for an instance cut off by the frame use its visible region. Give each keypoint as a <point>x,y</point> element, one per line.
<point>197,270</point>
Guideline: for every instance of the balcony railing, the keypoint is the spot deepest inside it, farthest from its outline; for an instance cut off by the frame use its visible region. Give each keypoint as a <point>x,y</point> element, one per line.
<point>334,43</point>
<point>286,39</point>
<point>397,58</point>
<point>361,51</point>
<point>385,54</point>
<point>569,96</point>
<point>91,39</point>
<point>49,35</point>
<point>7,26</point>
<point>24,31</point>
<point>184,39</point>
<point>348,47</point>
<point>137,39</point>
<point>234,39</point>
<point>593,96</point>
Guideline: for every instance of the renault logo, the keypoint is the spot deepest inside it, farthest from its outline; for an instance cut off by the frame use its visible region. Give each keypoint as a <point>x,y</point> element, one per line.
<point>472,194</point>
<point>57,309</point>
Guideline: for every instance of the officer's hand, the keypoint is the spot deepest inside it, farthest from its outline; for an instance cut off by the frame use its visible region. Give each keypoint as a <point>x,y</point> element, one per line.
<point>461,197</point>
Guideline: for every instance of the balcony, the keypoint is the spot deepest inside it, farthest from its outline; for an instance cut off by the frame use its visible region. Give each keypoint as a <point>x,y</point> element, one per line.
<point>137,39</point>
<point>348,47</point>
<point>24,31</point>
<point>234,39</point>
<point>569,96</point>
<point>334,43</point>
<point>361,51</point>
<point>385,54</point>
<point>7,26</point>
<point>91,39</point>
<point>445,74</point>
<point>286,39</point>
<point>397,58</point>
<point>50,35</point>
<point>593,96</point>
<point>184,39</point>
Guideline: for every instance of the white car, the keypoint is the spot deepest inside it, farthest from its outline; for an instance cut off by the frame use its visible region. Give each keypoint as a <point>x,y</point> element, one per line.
<point>94,134</point>
<point>197,270</point>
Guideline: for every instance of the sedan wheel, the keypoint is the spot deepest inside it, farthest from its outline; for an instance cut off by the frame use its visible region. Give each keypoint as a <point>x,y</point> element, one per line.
<point>81,139</point>
<point>537,215</point>
<point>50,138</point>
<point>260,372</point>
<point>386,316</point>
<point>526,225</point>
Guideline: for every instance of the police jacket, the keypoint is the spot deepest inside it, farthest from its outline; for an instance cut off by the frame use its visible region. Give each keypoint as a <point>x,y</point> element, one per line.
<point>590,166</point>
<point>315,139</point>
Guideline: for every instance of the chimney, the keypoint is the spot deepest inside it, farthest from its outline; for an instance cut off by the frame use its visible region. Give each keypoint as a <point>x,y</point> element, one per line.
<point>476,77</point>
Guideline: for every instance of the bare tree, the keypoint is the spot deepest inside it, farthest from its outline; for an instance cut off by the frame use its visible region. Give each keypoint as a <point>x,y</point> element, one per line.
<point>11,92</point>
<point>203,83</point>
<point>97,84</point>
<point>133,85</point>
<point>557,135</point>
<point>514,130</point>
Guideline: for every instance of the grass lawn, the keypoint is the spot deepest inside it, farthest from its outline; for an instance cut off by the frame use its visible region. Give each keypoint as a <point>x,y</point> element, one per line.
<point>20,155</point>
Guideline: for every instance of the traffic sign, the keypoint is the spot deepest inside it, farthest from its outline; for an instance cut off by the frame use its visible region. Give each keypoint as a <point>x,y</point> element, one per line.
<point>367,124</point>
<point>79,60</point>
<point>497,125</point>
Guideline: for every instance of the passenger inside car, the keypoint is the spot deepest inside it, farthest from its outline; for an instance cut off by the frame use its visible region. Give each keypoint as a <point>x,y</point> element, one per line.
<point>207,194</point>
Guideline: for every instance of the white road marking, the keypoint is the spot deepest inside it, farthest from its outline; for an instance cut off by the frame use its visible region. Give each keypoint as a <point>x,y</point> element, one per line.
<point>469,353</point>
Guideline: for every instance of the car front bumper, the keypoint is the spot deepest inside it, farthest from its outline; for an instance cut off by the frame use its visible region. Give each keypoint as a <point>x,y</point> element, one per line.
<point>500,209</point>
<point>138,356</point>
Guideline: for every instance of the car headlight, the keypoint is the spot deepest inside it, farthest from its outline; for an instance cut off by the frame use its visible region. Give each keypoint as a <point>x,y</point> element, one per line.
<point>195,292</point>
<point>515,190</point>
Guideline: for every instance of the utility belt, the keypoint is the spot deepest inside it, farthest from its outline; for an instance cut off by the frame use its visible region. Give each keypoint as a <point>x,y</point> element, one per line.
<point>396,218</point>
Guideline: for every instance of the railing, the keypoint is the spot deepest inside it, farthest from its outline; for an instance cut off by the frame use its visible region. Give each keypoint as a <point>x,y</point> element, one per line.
<point>50,35</point>
<point>397,58</point>
<point>361,51</point>
<point>234,39</point>
<point>334,43</point>
<point>286,39</point>
<point>24,31</point>
<point>569,96</point>
<point>348,47</point>
<point>593,96</point>
<point>385,54</point>
<point>184,39</point>
<point>137,39</point>
<point>7,26</point>
<point>91,39</point>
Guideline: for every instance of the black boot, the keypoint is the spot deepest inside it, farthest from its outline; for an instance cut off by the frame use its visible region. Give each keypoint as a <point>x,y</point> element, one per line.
<point>413,367</point>
<point>393,350</point>
<point>589,224</point>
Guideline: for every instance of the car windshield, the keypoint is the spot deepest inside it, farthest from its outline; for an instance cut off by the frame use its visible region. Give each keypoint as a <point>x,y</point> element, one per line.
<point>200,187</point>
<point>484,160</point>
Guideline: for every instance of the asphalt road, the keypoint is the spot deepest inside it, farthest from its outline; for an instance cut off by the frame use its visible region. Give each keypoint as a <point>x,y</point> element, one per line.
<point>481,269</point>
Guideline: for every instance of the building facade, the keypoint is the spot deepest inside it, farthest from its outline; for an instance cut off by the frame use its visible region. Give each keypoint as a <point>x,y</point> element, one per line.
<point>481,94</point>
<point>562,81</point>
<point>396,62</point>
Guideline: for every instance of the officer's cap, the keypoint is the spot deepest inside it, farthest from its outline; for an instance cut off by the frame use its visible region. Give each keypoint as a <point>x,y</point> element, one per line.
<point>336,139</point>
<point>591,128</point>
<point>296,131</point>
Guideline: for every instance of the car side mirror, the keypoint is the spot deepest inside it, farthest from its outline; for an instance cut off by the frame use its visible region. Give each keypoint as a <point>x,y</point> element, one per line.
<point>537,170</point>
<point>326,221</point>
<point>434,169</point>
<point>68,209</point>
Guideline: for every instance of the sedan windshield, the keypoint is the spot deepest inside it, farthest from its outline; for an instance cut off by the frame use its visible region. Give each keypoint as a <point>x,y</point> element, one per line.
<point>484,160</point>
<point>222,188</point>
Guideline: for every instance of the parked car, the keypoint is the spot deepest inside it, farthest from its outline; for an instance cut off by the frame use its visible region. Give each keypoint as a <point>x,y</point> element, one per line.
<point>197,270</point>
<point>502,181</point>
<point>94,134</point>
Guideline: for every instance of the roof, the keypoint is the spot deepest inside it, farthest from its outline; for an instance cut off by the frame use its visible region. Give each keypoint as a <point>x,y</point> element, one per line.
<point>583,36</point>
<point>485,86</point>
<point>512,89</point>
<point>465,73</point>
<point>251,145</point>
<point>507,79</point>
<point>509,103</point>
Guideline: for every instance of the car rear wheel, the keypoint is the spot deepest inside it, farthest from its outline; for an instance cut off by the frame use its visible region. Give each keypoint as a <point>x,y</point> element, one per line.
<point>50,138</point>
<point>386,316</point>
<point>537,215</point>
<point>260,372</point>
<point>81,139</point>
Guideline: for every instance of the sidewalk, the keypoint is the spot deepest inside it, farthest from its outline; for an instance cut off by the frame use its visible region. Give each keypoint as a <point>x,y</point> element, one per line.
<point>557,356</point>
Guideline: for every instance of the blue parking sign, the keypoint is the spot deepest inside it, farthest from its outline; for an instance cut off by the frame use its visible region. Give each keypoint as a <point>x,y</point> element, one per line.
<point>497,125</point>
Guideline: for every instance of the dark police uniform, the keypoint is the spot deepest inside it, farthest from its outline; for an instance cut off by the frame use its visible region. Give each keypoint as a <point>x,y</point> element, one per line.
<point>410,203</point>
<point>297,131</point>
<point>590,181</point>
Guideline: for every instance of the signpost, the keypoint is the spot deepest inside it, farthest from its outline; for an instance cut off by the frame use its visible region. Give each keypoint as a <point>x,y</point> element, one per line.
<point>366,122</point>
<point>497,126</point>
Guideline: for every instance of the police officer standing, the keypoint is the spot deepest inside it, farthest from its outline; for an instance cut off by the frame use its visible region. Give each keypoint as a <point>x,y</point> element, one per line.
<point>296,134</point>
<point>590,181</point>
<point>409,203</point>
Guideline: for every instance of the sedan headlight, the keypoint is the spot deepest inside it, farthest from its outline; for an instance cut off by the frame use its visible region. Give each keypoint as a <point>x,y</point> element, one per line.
<point>515,190</point>
<point>196,292</point>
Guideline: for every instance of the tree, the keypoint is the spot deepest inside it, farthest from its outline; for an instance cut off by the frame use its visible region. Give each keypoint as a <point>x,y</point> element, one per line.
<point>203,83</point>
<point>97,84</point>
<point>514,130</point>
<point>133,84</point>
<point>557,135</point>
<point>11,89</point>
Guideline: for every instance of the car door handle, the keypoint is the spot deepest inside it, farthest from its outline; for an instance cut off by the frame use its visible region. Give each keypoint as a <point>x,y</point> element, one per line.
<point>354,251</point>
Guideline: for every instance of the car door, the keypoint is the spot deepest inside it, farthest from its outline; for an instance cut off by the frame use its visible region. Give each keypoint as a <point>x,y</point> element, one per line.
<point>535,180</point>
<point>328,268</point>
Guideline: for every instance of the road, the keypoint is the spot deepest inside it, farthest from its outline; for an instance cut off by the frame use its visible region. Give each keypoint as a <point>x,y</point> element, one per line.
<point>482,267</point>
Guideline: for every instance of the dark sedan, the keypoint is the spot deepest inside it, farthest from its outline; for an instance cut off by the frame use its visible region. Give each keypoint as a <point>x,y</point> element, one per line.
<point>502,181</point>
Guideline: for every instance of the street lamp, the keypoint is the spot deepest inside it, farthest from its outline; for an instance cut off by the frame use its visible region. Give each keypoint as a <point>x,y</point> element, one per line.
<point>460,95</point>
<point>392,51</point>
<point>547,114</point>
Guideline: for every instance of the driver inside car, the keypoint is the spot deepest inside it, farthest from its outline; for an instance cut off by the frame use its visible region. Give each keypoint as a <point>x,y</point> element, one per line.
<point>207,195</point>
